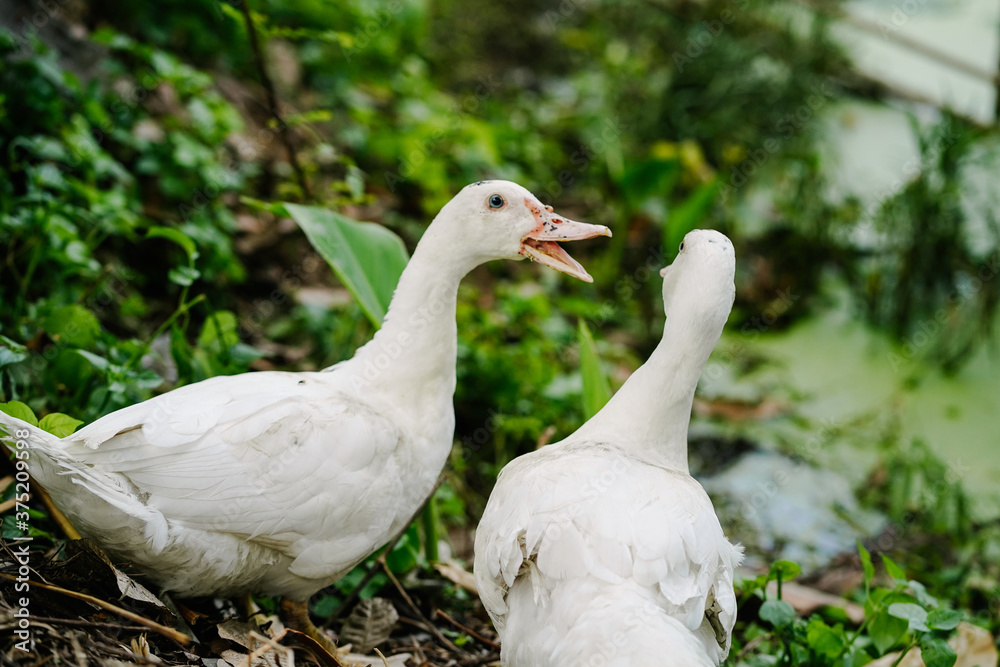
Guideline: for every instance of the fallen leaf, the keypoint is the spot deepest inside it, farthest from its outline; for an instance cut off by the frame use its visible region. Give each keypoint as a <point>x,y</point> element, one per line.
<point>370,623</point>
<point>458,575</point>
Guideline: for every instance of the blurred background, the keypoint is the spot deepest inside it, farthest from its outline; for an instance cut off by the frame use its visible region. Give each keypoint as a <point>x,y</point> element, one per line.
<point>849,149</point>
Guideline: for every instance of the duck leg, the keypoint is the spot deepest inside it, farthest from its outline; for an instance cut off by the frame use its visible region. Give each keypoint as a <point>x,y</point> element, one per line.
<point>296,616</point>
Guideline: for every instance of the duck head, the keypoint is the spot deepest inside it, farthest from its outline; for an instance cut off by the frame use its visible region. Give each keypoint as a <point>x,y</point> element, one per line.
<point>501,220</point>
<point>699,286</point>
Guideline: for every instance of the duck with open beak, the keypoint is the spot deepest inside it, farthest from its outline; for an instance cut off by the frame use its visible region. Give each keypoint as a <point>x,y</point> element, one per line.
<point>542,243</point>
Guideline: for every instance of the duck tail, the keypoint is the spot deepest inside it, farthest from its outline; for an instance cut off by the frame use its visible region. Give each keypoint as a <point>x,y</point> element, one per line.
<point>595,622</point>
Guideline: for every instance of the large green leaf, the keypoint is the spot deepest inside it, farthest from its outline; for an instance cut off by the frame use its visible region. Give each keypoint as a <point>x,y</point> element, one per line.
<point>936,652</point>
<point>886,630</point>
<point>58,424</point>
<point>596,389</point>
<point>367,258</point>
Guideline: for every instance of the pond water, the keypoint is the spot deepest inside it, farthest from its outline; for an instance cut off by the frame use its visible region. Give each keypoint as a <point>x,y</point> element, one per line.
<point>839,374</point>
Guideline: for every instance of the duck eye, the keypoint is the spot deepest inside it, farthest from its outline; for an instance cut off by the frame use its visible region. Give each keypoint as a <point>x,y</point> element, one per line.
<point>496,201</point>
<point>682,246</point>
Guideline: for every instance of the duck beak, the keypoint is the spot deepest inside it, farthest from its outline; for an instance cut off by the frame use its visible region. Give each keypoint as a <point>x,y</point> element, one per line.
<point>542,243</point>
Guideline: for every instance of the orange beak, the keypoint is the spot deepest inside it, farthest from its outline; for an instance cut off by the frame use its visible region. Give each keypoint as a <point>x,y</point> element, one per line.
<point>542,243</point>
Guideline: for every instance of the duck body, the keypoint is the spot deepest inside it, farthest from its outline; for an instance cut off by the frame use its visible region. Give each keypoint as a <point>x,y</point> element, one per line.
<point>602,549</point>
<point>281,482</point>
<point>613,556</point>
<point>247,483</point>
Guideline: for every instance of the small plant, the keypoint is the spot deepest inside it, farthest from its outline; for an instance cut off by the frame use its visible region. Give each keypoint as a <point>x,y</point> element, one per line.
<point>899,616</point>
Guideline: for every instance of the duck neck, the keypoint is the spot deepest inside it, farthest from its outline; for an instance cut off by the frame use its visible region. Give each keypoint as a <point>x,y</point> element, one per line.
<point>411,359</point>
<point>649,415</point>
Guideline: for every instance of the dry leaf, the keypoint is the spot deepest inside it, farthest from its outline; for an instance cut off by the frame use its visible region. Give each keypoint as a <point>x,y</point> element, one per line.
<point>458,575</point>
<point>140,647</point>
<point>370,623</point>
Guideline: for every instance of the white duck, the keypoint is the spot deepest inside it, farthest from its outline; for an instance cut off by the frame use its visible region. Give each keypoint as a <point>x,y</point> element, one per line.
<point>602,549</point>
<point>278,482</point>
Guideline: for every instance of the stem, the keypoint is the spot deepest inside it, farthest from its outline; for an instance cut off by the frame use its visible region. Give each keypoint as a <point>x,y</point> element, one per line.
<point>272,99</point>
<point>903,654</point>
<point>429,518</point>
<point>181,310</point>
<point>857,633</point>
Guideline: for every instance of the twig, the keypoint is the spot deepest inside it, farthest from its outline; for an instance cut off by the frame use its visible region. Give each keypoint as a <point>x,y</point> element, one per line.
<point>8,504</point>
<point>545,437</point>
<point>467,630</point>
<point>268,644</point>
<point>996,89</point>
<point>379,654</point>
<point>86,624</point>
<point>885,88</point>
<point>272,99</point>
<point>430,627</point>
<point>170,633</point>
<point>64,523</point>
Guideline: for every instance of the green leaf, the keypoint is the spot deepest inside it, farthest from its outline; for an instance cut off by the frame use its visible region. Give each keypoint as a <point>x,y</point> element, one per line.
<point>9,356</point>
<point>923,597</point>
<point>219,332</point>
<point>823,639</point>
<point>777,612</point>
<point>913,613</point>
<point>866,564</point>
<point>73,325</point>
<point>183,275</point>
<point>20,411</point>
<point>178,237</point>
<point>786,569</point>
<point>886,630</point>
<point>367,258</point>
<point>894,570</point>
<point>945,619</point>
<point>58,424</point>
<point>405,555</point>
<point>596,388</point>
<point>936,652</point>
<point>99,363</point>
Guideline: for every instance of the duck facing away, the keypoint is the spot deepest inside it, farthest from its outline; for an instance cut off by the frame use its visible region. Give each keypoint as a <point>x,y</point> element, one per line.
<point>602,546</point>
<point>278,482</point>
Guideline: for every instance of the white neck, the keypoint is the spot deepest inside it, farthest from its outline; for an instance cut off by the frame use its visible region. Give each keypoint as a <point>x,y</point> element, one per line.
<point>411,359</point>
<point>649,415</point>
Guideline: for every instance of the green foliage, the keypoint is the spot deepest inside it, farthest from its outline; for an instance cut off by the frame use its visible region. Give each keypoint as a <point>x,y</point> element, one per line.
<point>80,168</point>
<point>596,389</point>
<point>927,281</point>
<point>898,616</point>
<point>56,423</point>
<point>368,258</point>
